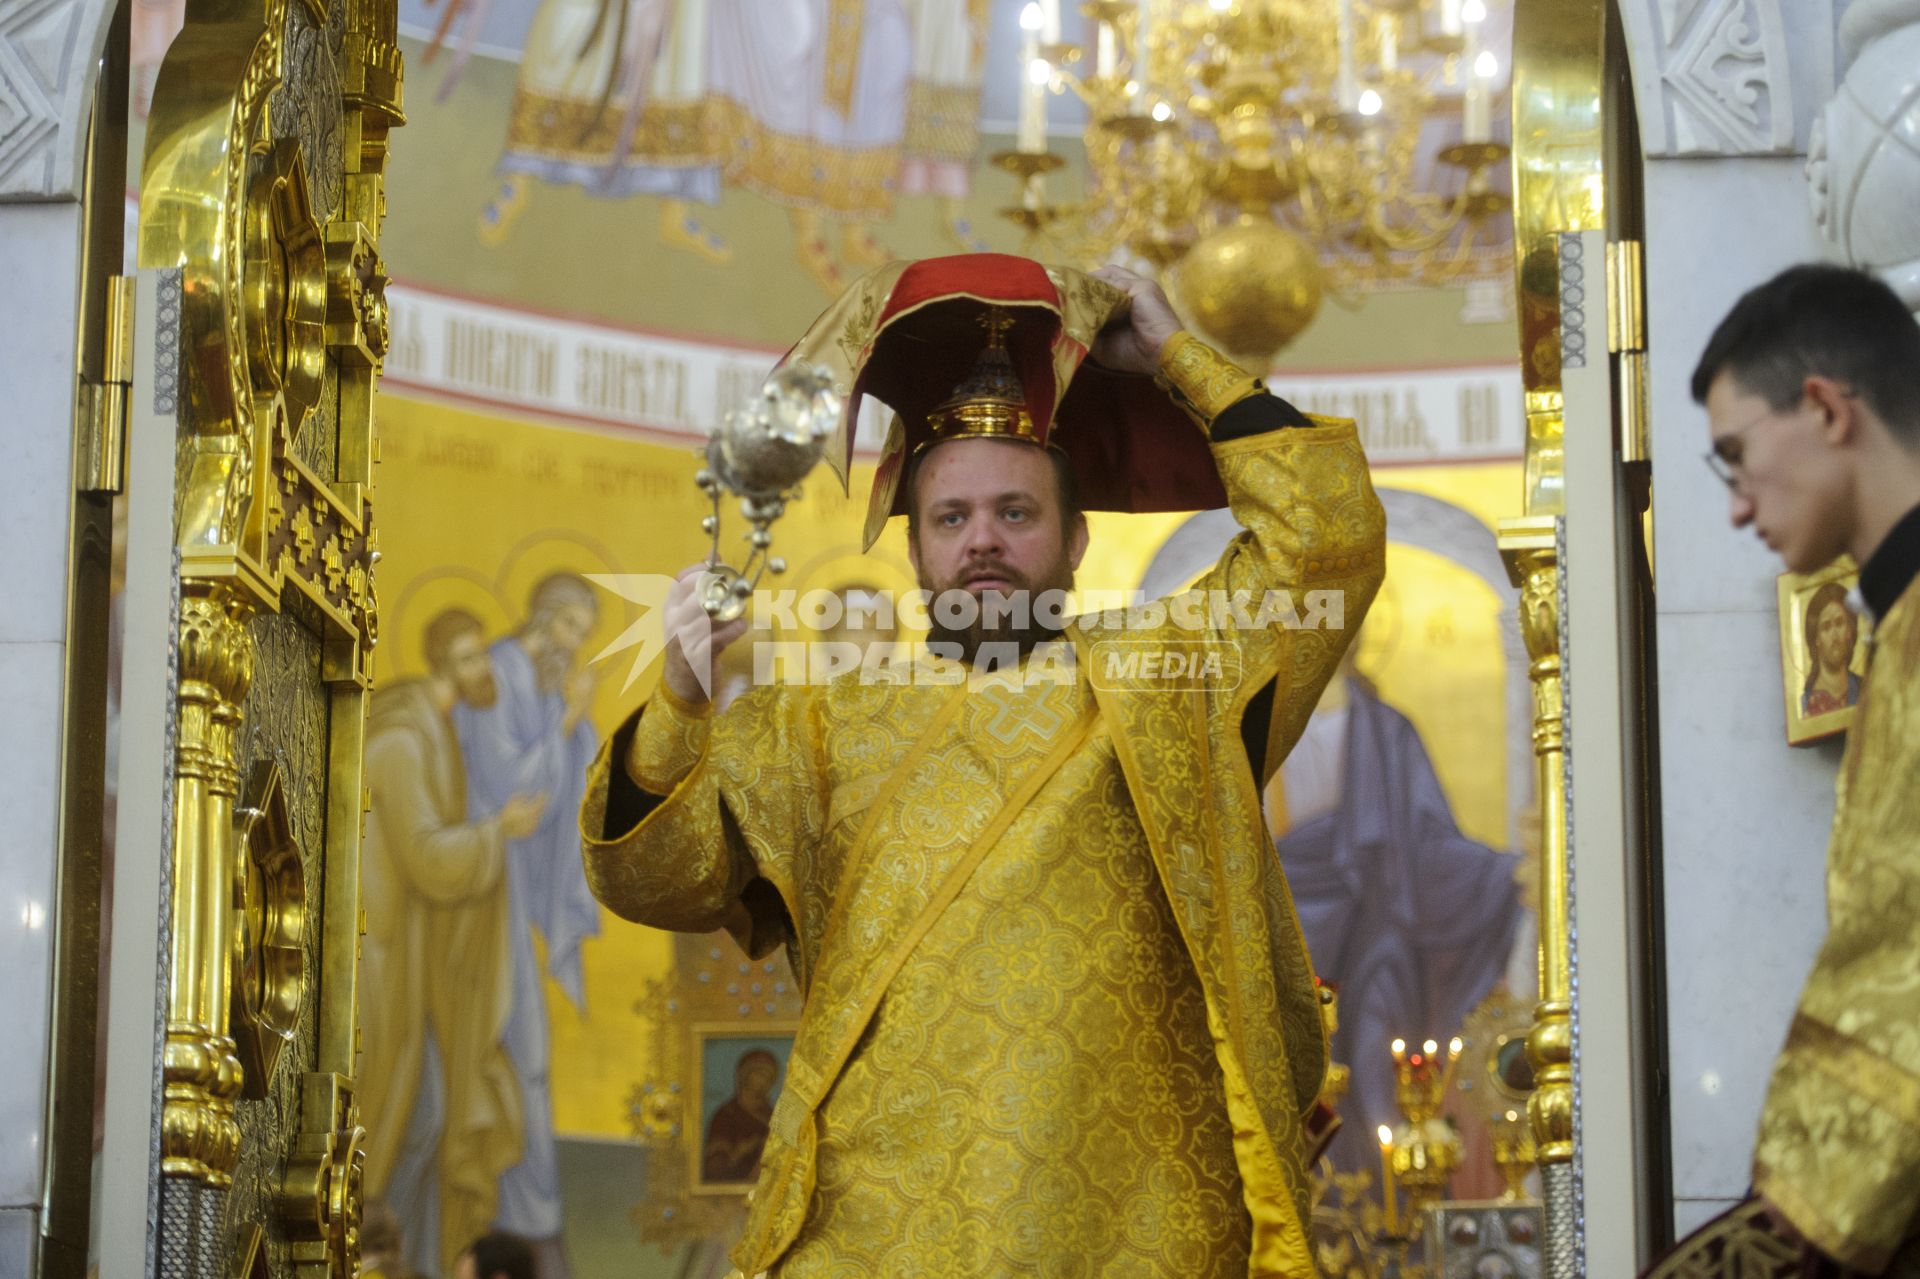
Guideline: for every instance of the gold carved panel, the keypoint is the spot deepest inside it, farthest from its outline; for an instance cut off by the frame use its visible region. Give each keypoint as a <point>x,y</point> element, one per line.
<point>262,194</point>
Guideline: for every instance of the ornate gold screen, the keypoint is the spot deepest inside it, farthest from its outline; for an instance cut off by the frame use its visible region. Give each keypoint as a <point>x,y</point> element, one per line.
<point>261,201</point>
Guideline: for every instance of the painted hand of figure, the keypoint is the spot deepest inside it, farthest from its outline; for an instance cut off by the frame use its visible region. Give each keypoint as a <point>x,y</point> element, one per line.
<point>694,643</point>
<point>520,815</point>
<point>579,694</point>
<point>1131,342</point>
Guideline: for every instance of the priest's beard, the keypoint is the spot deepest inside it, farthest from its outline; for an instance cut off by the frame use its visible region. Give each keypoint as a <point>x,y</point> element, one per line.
<point>1004,629</point>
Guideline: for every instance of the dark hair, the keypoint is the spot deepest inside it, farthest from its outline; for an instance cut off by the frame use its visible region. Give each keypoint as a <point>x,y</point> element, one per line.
<point>1821,320</point>
<point>498,1253</point>
<point>1063,483</point>
<point>443,630</point>
<point>1829,594</point>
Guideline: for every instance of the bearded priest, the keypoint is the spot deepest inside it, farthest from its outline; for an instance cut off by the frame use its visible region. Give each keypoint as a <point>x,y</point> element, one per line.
<point>1059,1018</point>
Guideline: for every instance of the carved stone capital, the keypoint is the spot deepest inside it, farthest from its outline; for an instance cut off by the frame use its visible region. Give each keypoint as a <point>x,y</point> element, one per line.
<point>49,62</point>
<point>1728,77</point>
<point>1864,183</point>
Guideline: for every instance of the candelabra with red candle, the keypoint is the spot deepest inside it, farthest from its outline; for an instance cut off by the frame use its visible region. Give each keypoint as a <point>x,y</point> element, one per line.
<point>1426,1149</point>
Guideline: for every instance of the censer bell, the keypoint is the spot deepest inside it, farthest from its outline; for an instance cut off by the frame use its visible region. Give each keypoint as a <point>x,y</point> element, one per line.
<point>760,454</point>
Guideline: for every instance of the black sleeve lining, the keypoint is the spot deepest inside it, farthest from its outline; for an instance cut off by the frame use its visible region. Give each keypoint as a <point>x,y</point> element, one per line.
<point>1253,729</point>
<point>627,804</point>
<point>1256,415</point>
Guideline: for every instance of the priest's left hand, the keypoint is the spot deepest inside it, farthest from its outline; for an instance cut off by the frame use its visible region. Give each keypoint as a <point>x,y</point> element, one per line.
<point>1131,342</point>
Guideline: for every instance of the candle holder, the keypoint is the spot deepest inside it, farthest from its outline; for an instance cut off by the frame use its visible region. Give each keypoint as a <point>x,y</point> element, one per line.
<point>1426,1149</point>
<point>1474,157</point>
<point>1027,164</point>
<point>1033,214</point>
<point>1135,126</point>
<point>1513,1152</point>
<point>1482,205</point>
<point>1112,12</point>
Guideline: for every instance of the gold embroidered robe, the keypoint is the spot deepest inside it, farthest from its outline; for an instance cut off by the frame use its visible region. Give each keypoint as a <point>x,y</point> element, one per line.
<point>1839,1145</point>
<point>975,884</point>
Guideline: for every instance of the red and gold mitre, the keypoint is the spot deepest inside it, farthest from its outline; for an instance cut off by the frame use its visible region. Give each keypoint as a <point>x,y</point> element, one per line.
<point>985,344</point>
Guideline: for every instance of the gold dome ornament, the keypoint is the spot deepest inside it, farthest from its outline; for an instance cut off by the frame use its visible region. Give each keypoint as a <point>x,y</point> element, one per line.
<point>991,401</point>
<point>760,454</point>
<point>1252,287</point>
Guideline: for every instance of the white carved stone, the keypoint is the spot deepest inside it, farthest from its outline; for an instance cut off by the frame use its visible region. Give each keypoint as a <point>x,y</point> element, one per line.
<point>1728,77</point>
<point>49,60</point>
<point>1863,164</point>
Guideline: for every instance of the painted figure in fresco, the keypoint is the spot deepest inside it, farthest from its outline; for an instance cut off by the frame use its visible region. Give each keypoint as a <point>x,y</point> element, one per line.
<point>536,738</point>
<point>1411,919</point>
<point>1832,632</point>
<point>438,1094</point>
<point>737,1133</point>
<point>1058,1016</point>
<point>1812,390</point>
<point>832,108</point>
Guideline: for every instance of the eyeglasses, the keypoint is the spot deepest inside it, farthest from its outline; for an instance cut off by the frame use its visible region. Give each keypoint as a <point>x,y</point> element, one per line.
<point>1729,469</point>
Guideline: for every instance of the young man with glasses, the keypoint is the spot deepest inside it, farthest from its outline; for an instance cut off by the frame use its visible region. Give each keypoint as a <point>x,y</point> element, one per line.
<point>1812,390</point>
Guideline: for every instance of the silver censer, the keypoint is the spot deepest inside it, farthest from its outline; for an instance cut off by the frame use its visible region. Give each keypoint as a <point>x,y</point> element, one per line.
<point>760,454</point>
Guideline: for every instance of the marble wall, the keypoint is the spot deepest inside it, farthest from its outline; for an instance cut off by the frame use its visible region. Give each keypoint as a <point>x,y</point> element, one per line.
<point>49,58</point>
<point>1744,816</point>
<point>39,270</point>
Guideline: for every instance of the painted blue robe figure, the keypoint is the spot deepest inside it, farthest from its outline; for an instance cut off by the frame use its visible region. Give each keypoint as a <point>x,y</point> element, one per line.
<point>1409,918</point>
<point>537,739</point>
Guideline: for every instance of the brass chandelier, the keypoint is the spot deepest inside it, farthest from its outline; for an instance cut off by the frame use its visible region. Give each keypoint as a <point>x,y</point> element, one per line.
<point>1263,153</point>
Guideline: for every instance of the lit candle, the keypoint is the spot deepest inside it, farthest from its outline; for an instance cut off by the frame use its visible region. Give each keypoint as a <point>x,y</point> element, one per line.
<point>1477,127</point>
<point>1103,55</point>
<point>1476,106</point>
<point>1347,89</point>
<point>1387,1191</point>
<point>1034,74</point>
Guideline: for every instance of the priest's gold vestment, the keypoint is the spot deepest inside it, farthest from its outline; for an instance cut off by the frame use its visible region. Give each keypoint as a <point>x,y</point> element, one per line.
<point>1839,1146</point>
<point>1059,1018</point>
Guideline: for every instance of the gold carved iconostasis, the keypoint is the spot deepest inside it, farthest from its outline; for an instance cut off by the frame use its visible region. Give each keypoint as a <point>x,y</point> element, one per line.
<point>579,292</point>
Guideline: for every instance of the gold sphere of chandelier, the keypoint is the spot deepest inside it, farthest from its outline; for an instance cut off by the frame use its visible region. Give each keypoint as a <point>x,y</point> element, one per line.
<point>1252,286</point>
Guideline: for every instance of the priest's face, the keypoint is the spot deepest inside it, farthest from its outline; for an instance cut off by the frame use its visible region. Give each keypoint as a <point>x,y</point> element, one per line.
<point>1789,481</point>
<point>988,521</point>
<point>470,670</point>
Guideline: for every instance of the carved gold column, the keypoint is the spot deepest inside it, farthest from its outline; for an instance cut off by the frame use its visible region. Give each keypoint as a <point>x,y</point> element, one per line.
<point>201,1069</point>
<point>1533,561</point>
<point>1561,102</point>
